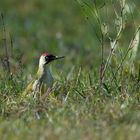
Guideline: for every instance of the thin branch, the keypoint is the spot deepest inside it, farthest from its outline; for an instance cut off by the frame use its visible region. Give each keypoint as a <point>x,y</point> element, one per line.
<point>113,47</point>
<point>5,44</point>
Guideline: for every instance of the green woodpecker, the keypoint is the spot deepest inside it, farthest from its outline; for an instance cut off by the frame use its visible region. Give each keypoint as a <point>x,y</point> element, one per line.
<point>43,79</point>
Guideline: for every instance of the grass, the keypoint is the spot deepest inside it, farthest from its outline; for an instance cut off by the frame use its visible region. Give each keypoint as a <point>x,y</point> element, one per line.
<point>80,107</point>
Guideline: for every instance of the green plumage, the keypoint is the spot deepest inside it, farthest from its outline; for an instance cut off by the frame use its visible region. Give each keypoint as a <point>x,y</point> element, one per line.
<point>42,80</point>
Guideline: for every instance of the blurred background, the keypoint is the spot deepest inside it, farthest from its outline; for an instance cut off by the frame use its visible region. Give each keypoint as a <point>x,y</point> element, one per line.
<point>61,27</point>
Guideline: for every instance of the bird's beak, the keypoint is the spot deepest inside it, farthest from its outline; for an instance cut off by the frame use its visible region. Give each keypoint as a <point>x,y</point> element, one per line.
<point>59,57</point>
<point>52,58</point>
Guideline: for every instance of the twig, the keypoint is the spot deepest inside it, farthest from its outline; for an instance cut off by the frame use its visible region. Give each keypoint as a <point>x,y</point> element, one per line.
<point>5,45</point>
<point>126,54</point>
<point>113,47</point>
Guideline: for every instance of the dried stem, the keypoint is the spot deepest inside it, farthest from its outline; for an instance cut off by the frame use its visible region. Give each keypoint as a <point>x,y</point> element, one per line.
<point>5,45</point>
<point>113,47</point>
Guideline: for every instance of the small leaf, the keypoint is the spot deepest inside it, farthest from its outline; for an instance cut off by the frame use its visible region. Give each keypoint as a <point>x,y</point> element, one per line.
<point>107,88</point>
<point>134,45</point>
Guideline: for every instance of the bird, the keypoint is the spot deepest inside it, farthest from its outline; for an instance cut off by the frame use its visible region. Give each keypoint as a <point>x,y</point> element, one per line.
<point>43,79</point>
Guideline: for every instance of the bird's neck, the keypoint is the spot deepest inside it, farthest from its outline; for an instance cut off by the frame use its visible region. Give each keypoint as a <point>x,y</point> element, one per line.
<point>42,71</point>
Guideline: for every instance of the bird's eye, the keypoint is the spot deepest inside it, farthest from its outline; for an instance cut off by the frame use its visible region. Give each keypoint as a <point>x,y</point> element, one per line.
<point>46,57</point>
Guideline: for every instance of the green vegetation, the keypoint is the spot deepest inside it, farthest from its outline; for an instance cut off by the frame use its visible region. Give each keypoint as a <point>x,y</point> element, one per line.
<point>97,92</point>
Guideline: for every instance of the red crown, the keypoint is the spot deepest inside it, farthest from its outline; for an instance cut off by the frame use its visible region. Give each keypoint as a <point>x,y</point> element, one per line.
<point>45,54</point>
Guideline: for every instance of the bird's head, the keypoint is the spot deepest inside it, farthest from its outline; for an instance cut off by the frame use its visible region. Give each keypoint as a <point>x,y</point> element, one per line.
<point>46,58</point>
